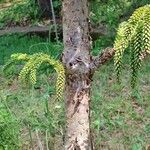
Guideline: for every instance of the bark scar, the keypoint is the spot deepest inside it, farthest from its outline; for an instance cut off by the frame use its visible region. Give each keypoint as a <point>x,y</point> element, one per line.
<point>77,100</point>
<point>76,107</point>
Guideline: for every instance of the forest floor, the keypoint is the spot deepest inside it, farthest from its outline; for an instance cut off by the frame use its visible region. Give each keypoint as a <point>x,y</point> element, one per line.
<point>120,119</point>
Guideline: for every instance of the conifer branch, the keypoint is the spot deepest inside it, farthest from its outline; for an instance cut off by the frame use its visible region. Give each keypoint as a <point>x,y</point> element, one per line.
<point>133,34</point>
<point>33,62</point>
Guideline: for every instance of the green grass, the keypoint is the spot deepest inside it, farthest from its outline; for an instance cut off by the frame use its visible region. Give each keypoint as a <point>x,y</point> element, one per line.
<point>24,13</point>
<point>19,13</point>
<point>30,113</point>
<point>26,44</point>
<point>120,119</point>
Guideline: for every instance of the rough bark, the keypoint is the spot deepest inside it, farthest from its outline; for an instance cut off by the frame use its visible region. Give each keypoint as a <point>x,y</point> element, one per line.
<point>80,66</point>
<point>76,59</point>
<point>102,58</point>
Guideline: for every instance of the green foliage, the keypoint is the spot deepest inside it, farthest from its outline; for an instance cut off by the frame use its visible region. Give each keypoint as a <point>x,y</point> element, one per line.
<point>57,4</point>
<point>20,43</point>
<point>111,12</point>
<point>9,128</point>
<point>134,35</point>
<point>24,12</point>
<point>101,43</point>
<point>34,61</point>
<point>34,111</point>
<point>19,12</point>
<point>118,120</point>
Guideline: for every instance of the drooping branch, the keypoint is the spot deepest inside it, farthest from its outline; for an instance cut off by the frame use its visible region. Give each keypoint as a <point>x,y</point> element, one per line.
<point>102,58</point>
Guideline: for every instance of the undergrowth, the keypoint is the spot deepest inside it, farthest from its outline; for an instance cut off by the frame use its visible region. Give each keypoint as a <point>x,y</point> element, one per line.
<point>19,13</point>
<point>20,43</point>
<point>112,12</point>
<point>119,120</point>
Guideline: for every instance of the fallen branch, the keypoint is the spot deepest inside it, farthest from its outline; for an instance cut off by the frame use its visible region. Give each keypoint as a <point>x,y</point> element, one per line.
<point>95,33</point>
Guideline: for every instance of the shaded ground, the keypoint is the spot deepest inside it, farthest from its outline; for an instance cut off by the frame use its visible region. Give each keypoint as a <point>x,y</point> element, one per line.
<point>45,29</point>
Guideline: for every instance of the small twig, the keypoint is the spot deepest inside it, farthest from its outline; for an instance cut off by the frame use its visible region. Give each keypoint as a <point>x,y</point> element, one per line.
<point>46,136</point>
<point>30,134</point>
<point>39,141</point>
<point>54,20</point>
<point>102,58</point>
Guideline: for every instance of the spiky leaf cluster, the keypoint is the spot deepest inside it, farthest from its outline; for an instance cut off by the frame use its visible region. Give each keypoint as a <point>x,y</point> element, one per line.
<point>133,34</point>
<point>33,62</point>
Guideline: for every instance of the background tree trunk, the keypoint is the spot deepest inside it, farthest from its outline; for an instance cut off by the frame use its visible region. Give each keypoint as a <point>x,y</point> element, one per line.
<point>45,8</point>
<point>76,59</point>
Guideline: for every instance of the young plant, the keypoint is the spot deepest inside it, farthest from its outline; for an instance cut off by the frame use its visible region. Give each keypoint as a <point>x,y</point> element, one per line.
<point>133,34</point>
<point>34,61</point>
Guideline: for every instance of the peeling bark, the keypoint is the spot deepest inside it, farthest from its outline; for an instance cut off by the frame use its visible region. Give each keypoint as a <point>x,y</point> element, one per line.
<point>76,59</point>
<point>77,110</point>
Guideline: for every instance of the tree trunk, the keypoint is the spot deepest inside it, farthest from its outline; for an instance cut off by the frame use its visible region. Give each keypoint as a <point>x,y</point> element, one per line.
<point>76,59</point>
<point>45,8</point>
